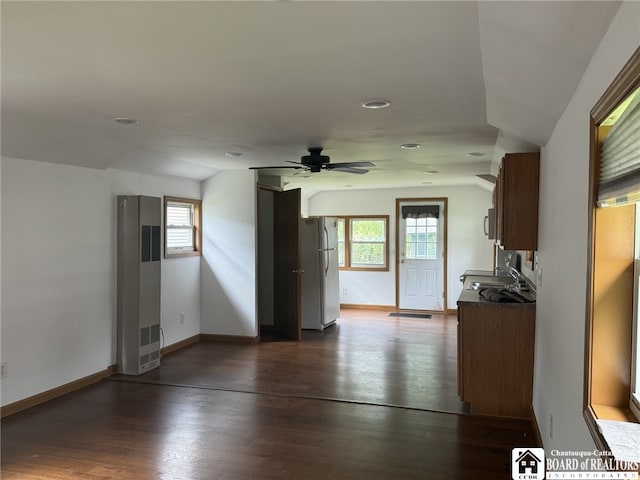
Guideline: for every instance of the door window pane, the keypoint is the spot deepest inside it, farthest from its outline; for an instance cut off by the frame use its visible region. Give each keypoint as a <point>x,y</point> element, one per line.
<point>421,236</point>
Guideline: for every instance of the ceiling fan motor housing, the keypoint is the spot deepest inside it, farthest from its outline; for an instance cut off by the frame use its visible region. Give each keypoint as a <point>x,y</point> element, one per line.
<point>315,158</point>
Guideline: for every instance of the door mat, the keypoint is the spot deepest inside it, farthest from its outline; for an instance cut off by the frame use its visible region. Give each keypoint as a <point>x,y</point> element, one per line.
<point>410,315</point>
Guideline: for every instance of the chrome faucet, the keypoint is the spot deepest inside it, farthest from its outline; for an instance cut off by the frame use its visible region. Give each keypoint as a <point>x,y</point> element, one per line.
<point>514,274</point>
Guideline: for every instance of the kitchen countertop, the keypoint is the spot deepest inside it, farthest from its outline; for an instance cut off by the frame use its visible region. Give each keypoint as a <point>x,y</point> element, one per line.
<point>469,296</point>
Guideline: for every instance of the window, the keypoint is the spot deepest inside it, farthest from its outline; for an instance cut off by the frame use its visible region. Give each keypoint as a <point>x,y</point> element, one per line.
<point>421,238</point>
<point>182,219</point>
<point>612,380</point>
<point>363,243</point>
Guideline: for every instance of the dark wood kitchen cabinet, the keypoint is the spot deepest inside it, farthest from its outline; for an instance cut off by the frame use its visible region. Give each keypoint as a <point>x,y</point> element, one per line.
<point>495,358</point>
<point>516,201</point>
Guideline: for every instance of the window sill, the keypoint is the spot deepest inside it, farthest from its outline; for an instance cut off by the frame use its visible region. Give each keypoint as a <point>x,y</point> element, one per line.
<point>614,430</point>
<point>183,254</point>
<point>605,412</point>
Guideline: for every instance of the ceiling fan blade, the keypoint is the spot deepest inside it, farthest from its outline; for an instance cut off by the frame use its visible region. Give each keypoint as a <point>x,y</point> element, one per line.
<point>275,167</point>
<point>338,168</point>
<point>351,164</point>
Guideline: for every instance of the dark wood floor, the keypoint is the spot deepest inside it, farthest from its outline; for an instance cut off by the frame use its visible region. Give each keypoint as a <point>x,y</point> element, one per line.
<point>363,400</point>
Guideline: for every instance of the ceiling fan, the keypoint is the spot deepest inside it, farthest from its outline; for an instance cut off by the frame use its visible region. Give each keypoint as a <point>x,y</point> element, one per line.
<point>315,161</point>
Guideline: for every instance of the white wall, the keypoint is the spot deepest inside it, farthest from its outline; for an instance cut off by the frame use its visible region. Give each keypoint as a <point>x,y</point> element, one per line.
<point>468,248</point>
<point>56,324</point>
<point>59,270</point>
<point>228,269</point>
<point>560,319</point>
<point>1,352</point>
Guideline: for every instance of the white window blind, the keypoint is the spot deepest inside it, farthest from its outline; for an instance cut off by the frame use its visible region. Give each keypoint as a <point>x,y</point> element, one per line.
<point>620,155</point>
<point>180,228</point>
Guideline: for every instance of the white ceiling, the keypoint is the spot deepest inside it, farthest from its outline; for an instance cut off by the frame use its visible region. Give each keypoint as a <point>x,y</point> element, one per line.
<point>268,79</point>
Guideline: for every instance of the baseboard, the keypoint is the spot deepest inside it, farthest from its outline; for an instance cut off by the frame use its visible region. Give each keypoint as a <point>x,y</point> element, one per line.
<point>392,308</point>
<point>174,347</point>
<point>386,308</point>
<point>65,389</point>
<point>536,428</point>
<point>208,337</point>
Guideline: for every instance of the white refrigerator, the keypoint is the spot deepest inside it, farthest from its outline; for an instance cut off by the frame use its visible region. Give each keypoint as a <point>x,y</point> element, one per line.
<point>319,260</point>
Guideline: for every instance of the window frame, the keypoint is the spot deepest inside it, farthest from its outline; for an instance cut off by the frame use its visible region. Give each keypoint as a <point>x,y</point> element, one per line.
<point>634,400</point>
<point>347,219</point>
<point>197,227</point>
<point>627,81</point>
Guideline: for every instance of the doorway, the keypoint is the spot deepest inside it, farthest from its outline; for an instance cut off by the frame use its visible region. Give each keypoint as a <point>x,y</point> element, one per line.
<point>279,283</point>
<point>421,233</point>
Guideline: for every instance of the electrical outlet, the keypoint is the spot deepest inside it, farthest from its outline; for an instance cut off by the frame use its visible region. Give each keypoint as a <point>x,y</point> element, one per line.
<point>182,318</point>
<point>551,426</point>
<point>3,369</point>
<point>344,291</point>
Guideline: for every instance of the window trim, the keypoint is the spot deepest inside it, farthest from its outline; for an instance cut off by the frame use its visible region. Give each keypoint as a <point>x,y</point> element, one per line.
<point>197,227</point>
<point>347,242</point>
<point>634,401</point>
<point>623,85</point>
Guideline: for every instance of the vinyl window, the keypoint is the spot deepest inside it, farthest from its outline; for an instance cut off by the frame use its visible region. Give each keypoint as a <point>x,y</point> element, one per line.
<point>182,227</point>
<point>612,356</point>
<point>363,243</point>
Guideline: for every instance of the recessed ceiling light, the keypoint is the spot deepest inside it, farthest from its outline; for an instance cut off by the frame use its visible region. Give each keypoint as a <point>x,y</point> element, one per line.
<point>126,120</point>
<point>375,104</point>
<point>410,146</point>
<point>233,154</point>
<point>475,154</point>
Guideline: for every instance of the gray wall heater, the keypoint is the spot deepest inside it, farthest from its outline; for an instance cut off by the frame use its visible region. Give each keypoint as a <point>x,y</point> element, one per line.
<point>139,252</point>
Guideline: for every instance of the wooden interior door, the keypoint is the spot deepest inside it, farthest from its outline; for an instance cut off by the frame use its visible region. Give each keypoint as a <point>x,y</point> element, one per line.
<point>287,271</point>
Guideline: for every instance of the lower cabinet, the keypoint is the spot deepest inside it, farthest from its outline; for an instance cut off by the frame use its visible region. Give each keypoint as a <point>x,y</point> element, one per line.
<point>495,358</point>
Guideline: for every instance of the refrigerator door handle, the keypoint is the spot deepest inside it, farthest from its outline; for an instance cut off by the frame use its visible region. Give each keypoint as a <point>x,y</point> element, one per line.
<point>326,250</point>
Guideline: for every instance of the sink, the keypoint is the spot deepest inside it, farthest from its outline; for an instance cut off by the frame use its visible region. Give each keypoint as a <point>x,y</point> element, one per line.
<point>502,295</point>
<point>499,289</point>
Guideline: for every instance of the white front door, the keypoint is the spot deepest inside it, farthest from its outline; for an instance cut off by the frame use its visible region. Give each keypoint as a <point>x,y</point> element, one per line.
<point>421,259</point>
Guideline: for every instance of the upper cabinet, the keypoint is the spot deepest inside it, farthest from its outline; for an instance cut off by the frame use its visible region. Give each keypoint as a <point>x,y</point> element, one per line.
<point>516,201</point>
